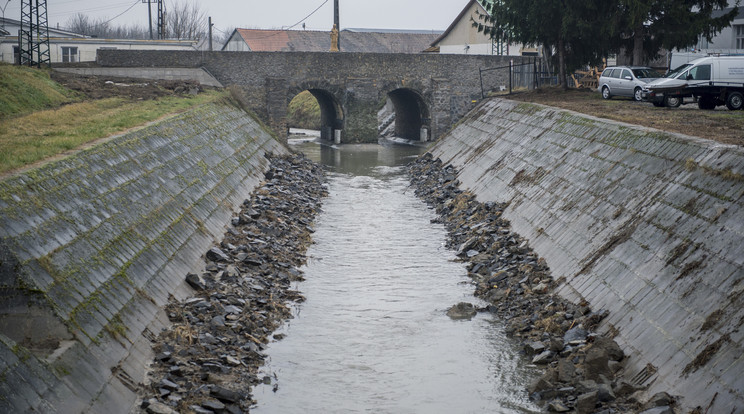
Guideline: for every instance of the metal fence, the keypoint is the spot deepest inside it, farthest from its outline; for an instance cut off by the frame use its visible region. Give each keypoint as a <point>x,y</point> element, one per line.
<point>529,75</point>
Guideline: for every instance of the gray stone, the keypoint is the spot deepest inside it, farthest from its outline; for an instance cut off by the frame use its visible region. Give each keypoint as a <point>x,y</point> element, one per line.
<point>200,410</point>
<point>462,310</point>
<point>596,363</point>
<point>558,407</point>
<point>194,281</point>
<point>610,347</point>
<point>223,394</point>
<point>233,309</point>
<point>566,371</point>
<point>586,403</point>
<point>466,246</point>
<point>587,385</point>
<point>213,405</point>
<point>624,388</point>
<point>543,358</point>
<point>660,399</point>
<point>218,321</point>
<point>533,348</point>
<point>575,336</point>
<point>157,407</point>
<point>169,385</point>
<point>658,410</point>
<point>604,393</point>
<point>216,254</point>
<point>540,384</point>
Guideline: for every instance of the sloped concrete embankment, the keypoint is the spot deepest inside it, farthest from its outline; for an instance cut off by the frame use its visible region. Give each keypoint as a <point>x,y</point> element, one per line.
<point>642,223</point>
<point>93,245</point>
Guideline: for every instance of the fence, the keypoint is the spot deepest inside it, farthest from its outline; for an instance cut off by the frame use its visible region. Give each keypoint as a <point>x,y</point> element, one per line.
<point>528,75</point>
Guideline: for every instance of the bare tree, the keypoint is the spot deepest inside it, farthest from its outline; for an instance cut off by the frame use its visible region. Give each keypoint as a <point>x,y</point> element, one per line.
<point>222,37</point>
<point>79,23</point>
<point>185,20</point>
<point>102,28</point>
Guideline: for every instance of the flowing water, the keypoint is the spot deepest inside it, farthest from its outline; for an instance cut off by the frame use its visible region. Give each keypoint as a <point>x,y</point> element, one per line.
<point>373,336</point>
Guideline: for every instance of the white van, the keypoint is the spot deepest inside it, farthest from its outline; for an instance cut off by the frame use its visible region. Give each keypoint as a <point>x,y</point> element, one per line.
<point>713,81</point>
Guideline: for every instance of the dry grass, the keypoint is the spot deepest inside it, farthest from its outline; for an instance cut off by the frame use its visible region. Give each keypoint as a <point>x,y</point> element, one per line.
<point>30,138</point>
<point>719,125</point>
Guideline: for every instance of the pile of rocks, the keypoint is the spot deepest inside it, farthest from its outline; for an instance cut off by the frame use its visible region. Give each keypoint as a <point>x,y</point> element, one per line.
<point>208,360</point>
<point>583,370</point>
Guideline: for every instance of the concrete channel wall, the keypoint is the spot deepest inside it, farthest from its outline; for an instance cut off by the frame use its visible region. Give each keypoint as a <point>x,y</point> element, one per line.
<point>92,245</point>
<point>643,223</point>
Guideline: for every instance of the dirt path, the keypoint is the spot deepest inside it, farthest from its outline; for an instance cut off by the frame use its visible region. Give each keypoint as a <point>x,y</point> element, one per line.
<point>719,125</point>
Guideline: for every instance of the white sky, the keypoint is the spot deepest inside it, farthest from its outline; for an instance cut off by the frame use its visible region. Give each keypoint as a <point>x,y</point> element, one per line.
<point>264,14</point>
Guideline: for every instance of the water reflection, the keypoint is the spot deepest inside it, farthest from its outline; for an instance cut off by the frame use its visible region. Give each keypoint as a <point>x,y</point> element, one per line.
<point>373,335</point>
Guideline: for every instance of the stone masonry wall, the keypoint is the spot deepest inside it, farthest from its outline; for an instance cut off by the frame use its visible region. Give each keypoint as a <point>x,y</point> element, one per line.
<point>92,245</point>
<point>360,82</point>
<point>645,224</point>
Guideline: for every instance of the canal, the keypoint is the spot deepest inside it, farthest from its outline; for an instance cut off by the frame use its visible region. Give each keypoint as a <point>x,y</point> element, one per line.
<point>373,335</point>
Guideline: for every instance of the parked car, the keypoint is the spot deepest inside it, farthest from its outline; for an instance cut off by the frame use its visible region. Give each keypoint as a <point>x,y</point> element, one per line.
<point>626,81</point>
<point>669,99</point>
<point>712,81</point>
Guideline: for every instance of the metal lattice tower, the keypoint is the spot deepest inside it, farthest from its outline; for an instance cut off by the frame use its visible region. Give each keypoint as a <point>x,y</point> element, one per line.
<point>33,36</point>
<point>161,19</point>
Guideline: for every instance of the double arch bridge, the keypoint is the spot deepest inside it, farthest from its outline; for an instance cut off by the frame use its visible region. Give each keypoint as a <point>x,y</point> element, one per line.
<point>429,92</point>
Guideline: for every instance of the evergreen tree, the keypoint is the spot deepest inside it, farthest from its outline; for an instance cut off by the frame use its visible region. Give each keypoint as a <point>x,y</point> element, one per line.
<point>581,32</point>
<point>651,25</point>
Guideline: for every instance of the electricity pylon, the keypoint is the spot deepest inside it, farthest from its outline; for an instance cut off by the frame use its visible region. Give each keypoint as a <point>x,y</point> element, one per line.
<point>33,37</point>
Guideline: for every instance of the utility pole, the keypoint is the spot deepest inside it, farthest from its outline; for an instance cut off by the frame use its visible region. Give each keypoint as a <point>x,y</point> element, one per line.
<point>210,33</point>
<point>149,15</point>
<point>336,22</point>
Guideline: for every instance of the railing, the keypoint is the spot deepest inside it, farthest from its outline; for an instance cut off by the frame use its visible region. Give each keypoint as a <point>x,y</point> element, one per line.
<point>528,75</point>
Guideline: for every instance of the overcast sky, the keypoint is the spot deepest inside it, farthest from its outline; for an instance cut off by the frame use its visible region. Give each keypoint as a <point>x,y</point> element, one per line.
<point>266,14</point>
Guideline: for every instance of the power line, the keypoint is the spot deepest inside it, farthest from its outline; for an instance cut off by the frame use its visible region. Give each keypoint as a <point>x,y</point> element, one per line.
<point>306,17</point>
<point>119,15</point>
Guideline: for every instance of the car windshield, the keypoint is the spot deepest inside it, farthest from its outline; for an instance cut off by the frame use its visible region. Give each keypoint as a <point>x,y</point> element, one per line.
<point>646,73</point>
<point>676,72</point>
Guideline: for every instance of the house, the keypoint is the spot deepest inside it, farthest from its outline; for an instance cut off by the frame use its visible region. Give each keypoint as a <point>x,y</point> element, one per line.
<point>462,38</point>
<point>351,40</point>
<point>69,47</point>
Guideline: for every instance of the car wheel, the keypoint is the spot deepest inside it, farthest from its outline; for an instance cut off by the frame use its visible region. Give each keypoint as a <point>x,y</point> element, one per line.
<point>637,94</point>
<point>672,101</point>
<point>734,101</point>
<point>706,103</point>
<point>606,92</point>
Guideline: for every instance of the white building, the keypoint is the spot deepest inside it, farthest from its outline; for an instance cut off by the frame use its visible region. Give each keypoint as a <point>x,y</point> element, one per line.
<point>462,38</point>
<point>731,38</point>
<point>69,47</point>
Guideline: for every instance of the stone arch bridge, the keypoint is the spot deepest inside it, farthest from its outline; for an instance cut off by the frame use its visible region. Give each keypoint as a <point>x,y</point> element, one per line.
<point>429,92</point>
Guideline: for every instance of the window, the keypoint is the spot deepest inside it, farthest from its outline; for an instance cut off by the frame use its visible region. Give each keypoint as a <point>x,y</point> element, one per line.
<point>616,73</point>
<point>701,72</point>
<point>739,30</point>
<point>69,54</point>
<point>626,74</point>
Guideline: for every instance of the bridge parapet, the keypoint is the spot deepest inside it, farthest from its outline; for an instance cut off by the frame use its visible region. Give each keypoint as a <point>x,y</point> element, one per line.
<point>438,89</point>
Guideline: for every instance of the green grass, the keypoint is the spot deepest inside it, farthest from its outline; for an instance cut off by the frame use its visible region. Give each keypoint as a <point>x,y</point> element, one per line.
<point>26,139</point>
<point>24,90</point>
<point>304,112</point>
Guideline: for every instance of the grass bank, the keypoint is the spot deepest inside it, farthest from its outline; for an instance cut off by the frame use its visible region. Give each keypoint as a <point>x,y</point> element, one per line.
<point>24,90</point>
<point>29,133</point>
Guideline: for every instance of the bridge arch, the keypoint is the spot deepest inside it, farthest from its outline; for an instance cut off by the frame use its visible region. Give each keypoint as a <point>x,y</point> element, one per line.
<point>412,114</point>
<point>331,110</point>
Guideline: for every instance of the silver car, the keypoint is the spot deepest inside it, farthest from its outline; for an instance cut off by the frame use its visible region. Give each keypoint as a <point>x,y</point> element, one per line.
<point>625,81</point>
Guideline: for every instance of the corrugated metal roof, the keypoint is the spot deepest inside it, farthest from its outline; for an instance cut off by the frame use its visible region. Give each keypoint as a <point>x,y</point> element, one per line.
<point>351,41</point>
